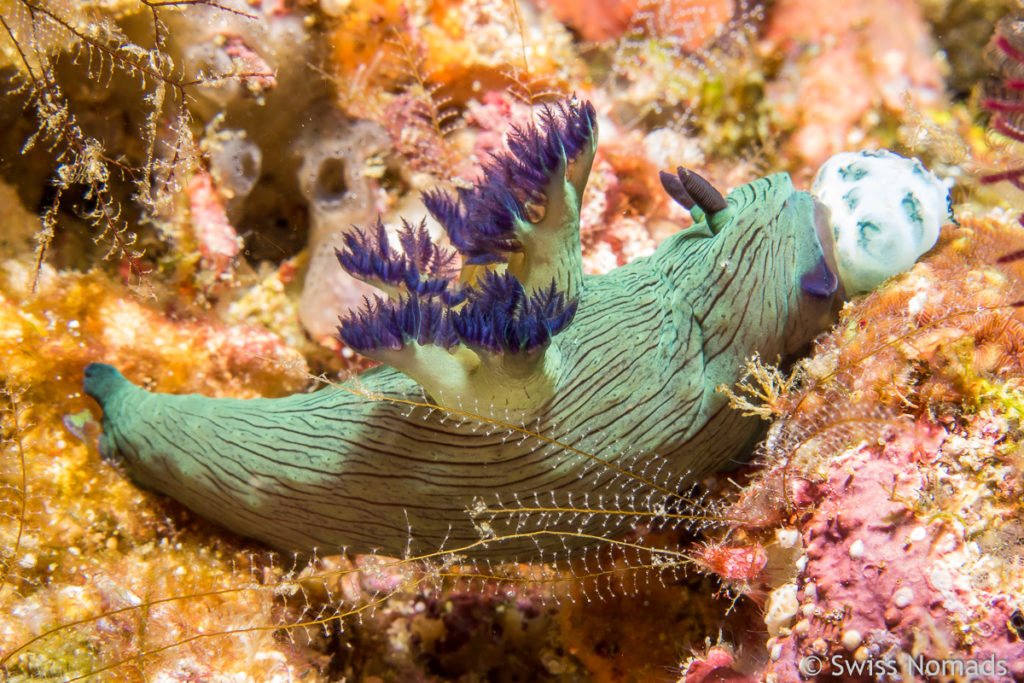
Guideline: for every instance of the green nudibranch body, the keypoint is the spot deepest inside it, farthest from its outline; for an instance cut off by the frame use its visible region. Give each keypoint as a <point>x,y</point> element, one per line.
<point>631,380</point>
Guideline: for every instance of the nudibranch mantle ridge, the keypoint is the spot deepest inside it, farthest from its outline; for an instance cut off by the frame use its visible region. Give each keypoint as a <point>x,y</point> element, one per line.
<point>622,367</point>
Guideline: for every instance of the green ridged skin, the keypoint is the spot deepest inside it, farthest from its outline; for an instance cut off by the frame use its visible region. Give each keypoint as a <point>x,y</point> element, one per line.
<point>634,386</point>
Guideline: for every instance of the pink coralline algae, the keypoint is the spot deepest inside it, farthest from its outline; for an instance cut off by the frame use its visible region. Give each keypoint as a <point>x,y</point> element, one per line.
<point>253,70</point>
<point>716,666</point>
<point>734,563</point>
<point>883,587</point>
<point>492,117</point>
<point>219,244</point>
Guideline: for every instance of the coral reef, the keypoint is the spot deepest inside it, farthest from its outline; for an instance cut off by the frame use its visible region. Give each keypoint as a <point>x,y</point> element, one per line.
<point>910,534</point>
<point>904,492</point>
<point>692,65</point>
<point>880,55</point>
<point>340,194</point>
<point>71,152</point>
<point>164,167</point>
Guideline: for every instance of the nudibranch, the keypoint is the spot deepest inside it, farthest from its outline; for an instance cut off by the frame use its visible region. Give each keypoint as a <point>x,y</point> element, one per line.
<point>506,371</point>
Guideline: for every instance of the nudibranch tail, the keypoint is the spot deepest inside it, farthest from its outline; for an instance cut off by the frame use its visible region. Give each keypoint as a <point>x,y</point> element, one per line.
<point>102,381</point>
<point>108,387</point>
